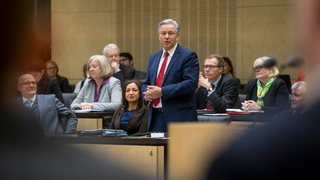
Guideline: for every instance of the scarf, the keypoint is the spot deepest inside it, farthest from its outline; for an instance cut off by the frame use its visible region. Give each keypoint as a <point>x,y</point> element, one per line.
<point>263,91</point>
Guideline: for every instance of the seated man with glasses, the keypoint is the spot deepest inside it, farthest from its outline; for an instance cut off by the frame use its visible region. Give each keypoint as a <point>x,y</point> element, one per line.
<point>127,59</point>
<point>121,72</point>
<point>50,114</point>
<point>218,91</point>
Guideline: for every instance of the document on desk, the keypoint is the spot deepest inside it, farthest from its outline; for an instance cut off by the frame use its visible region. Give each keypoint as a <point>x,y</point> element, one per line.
<point>87,111</point>
<point>240,111</point>
<point>215,114</point>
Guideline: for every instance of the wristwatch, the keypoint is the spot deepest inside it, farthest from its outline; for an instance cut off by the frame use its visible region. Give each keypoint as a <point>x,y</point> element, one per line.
<point>209,90</point>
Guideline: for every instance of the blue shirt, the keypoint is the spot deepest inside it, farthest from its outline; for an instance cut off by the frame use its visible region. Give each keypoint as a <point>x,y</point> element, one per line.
<point>125,119</point>
<point>215,85</point>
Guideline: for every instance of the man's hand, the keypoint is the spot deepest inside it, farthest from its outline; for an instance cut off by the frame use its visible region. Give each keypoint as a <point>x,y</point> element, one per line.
<point>153,92</point>
<point>114,66</point>
<point>204,82</point>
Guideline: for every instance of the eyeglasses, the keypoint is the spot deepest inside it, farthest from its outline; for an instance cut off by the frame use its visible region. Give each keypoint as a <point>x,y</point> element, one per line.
<point>28,83</point>
<point>111,56</point>
<point>124,59</point>
<point>257,68</point>
<point>52,68</point>
<point>210,67</point>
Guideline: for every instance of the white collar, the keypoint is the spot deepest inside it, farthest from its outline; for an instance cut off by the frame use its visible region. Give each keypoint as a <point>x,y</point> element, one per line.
<point>32,99</point>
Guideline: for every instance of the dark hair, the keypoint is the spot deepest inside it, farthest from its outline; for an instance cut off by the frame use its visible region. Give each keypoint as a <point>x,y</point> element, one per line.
<point>230,64</point>
<point>54,63</point>
<point>124,86</point>
<point>36,65</point>
<point>127,55</point>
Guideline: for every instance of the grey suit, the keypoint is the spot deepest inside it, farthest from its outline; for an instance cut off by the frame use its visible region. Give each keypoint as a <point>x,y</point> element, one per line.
<point>110,96</point>
<point>53,116</point>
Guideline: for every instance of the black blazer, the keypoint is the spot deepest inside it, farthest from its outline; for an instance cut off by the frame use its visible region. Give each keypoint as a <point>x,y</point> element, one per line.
<point>126,73</point>
<point>49,85</point>
<point>276,99</point>
<point>138,122</point>
<point>64,84</point>
<point>225,96</point>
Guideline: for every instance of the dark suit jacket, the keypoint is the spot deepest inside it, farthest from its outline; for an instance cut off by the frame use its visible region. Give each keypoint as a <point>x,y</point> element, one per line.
<point>126,73</point>
<point>140,75</point>
<point>138,122</point>
<point>49,85</point>
<point>64,84</point>
<point>225,96</point>
<point>287,148</point>
<point>276,99</point>
<point>55,117</point>
<point>178,86</point>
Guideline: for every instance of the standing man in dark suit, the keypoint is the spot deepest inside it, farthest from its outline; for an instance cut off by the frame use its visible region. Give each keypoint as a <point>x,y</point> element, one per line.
<point>172,78</point>
<point>122,72</point>
<point>218,91</point>
<point>51,115</point>
<point>45,83</point>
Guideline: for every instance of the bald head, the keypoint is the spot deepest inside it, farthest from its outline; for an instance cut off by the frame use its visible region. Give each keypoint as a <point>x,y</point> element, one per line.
<point>27,85</point>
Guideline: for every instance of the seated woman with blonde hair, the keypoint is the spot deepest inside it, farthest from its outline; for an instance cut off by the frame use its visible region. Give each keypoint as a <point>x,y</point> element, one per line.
<point>267,92</point>
<point>100,91</point>
<point>132,115</point>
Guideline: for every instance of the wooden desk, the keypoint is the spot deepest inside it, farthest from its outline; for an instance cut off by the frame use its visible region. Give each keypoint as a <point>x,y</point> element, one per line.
<point>91,120</point>
<point>194,145</point>
<point>142,155</point>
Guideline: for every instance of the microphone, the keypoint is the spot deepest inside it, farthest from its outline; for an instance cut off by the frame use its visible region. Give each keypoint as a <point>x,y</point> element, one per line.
<point>293,61</point>
<point>118,124</point>
<point>272,61</point>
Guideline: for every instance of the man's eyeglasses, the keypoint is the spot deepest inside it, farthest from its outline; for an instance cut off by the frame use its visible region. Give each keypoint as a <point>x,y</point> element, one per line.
<point>257,68</point>
<point>52,68</point>
<point>28,83</point>
<point>111,56</point>
<point>210,67</point>
<point>124,59</point>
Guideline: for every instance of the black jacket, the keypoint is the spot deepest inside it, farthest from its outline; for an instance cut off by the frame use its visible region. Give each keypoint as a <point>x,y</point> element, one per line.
<point>276,99</point>
<point>64,84</point>
<point>49,85</point>
<point>225,96</point>
<point>126,73</point>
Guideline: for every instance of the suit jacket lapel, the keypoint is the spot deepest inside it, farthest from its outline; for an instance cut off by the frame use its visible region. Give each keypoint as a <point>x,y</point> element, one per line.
<point>175,56</point>
<point>155,68</point>
<point>40,102</point>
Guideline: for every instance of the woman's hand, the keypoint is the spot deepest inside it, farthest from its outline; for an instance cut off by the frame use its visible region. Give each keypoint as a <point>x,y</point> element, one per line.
<point>250,106</point>
<point>86,106</point>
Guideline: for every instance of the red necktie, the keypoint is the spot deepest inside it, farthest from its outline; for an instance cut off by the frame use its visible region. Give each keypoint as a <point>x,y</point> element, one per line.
<point>209,106</point>
<point>160,77</point>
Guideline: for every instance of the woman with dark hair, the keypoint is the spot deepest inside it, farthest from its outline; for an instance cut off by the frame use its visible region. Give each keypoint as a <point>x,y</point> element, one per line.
<point>132,115</point>
<point>228,69</point>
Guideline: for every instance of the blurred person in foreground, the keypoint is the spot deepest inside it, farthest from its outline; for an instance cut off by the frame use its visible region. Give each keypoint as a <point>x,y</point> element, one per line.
<point>24,152</point>
<point>132,115</point>
<point>266,93</point>
<point>100,91</point>
<point>52,70</point>
<point>50,114</point>
<point>288,148</point>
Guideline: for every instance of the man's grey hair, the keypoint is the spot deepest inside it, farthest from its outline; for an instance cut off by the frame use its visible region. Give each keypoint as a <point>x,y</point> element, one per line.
<point>110,47</point>
<point>169,21</point>
<point>299,83</point>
